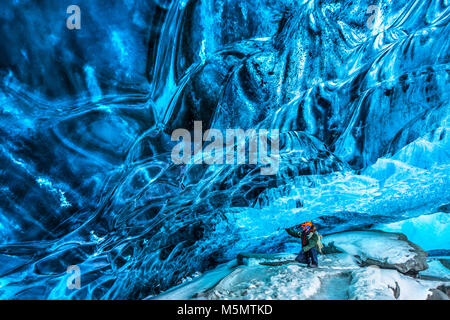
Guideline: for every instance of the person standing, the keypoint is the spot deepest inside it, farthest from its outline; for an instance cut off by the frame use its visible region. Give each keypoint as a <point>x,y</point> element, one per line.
<point>311,244</point>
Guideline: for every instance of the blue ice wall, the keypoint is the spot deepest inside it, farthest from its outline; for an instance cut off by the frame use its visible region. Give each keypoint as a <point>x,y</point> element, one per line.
<point>361,101</point>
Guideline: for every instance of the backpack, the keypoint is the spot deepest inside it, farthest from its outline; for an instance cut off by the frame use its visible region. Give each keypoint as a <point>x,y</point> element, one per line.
<point>319,243</point>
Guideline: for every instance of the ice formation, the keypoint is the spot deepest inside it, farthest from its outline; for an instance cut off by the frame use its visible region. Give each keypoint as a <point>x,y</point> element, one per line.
<point>361,102</point>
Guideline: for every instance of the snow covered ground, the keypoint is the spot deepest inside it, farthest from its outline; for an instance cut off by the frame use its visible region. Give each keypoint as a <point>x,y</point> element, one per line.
<point>340,276</point>
<point>380,284</point>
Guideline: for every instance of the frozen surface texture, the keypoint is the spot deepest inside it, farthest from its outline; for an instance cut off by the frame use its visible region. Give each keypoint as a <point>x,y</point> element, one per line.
<point>340,276</point>
<point>438,268</point>
<point>431,232</point>
<point>388,250</point>
<point>381,284</point>
<point>361,102</point>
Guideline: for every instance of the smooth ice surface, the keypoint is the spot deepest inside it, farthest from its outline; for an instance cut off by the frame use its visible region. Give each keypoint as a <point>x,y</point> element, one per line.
<point>437,269</point>
<point>430,232</point>
<point>192,287</point>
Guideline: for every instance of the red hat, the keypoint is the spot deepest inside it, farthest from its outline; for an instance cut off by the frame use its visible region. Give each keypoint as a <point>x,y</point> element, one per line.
<point>307,224</point>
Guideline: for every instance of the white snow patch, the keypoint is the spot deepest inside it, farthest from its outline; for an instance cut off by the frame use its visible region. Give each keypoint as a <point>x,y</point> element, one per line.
<point>285,282</point>
<point>379,246</point>
<point>378,284</point>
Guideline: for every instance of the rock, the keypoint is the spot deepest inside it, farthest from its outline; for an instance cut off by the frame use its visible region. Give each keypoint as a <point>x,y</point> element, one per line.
<point>445,263</point>
<point>395,290</point>
<point>438,252</point>
<point>444,208</point>
<point>445,289</point>
<point>440,293</point>
<point>383,249</point>
<point>330,248</point>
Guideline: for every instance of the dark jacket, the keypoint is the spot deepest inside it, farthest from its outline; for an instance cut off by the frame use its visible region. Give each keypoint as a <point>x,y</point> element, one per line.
<point>310,240</point>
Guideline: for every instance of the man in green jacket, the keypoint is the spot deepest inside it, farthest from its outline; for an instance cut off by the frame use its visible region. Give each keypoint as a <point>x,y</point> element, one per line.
<point>311,244</point>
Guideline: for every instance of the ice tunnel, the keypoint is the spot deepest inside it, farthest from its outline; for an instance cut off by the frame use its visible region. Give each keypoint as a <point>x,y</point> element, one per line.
<point>358,91</point>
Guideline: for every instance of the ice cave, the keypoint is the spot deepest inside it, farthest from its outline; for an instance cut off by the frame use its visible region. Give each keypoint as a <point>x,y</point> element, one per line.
<point>357,90</point>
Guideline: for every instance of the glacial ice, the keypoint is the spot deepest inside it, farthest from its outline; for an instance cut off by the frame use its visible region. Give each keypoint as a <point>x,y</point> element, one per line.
<point>389,248</point>
<point>431,232</point>
<point>287,281</point>
<point>340,276</point>
<point>86,118</point>
<point>380,284</point>
<point>437,269</point>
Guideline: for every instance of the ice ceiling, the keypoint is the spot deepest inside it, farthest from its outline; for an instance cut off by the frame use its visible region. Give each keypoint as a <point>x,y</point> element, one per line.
<point>362,105</point>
